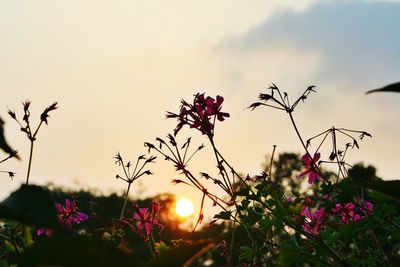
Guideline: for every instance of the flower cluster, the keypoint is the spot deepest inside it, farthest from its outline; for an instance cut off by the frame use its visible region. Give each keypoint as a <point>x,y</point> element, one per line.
<point>145,220</point>
<point>350,212</point>
<point>346,213</point>
<point>68,214</point>
<point>200,115</point>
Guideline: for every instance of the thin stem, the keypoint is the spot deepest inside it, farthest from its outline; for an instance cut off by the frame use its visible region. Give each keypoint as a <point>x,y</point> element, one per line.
<point>30,163</point>
<point>271,162</point>
<point>233,235</point>
<point>126,200</point>
<point>304,145</point>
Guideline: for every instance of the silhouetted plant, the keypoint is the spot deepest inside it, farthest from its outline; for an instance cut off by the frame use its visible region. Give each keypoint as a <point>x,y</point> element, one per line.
<point>130,176</point>
<point>30,131</point>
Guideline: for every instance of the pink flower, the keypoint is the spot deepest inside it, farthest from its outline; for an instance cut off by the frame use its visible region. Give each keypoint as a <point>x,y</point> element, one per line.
<point>369,207</point>
<point>145,220</point>
<point>68,214</point>
<point>346,212</point>
<point>200,115</point>
<point>310,170</point>
<point>44,231</point>
<point>314,220</point>
<point>327,197</point>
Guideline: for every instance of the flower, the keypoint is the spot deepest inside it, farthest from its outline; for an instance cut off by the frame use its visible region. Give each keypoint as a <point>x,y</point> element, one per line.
<point>346,212</point>
<point>313,222</point>
<point>200,115</point>
<point>369,207</point>
<point>68,214</point>
<point>311,171</point>
<point>44,231</point>
<point>350,212</point>
<point>145,220</point>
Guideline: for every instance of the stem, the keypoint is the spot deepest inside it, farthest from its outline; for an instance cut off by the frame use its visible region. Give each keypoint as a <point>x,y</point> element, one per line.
<point>233,236</point>
<point>126,200</point>
<point>30,163</point>
<point>271,162</point>
<point>314,165</point>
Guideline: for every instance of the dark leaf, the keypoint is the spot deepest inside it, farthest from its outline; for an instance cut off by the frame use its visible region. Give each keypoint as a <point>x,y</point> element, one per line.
<point>390,188</point>
<point>30,204</point>
<point>394,87</point>
<point>224,215</point>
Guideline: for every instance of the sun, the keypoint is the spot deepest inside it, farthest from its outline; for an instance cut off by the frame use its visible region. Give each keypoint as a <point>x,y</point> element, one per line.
<point>184,207</point>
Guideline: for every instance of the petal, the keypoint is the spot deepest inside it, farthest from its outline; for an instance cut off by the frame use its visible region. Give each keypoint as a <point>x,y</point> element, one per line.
<point>82,216</point>
<point>304,173</point>
<point>143,211</point>
<point>316,157</point>
<point>220,99</point>
<point>69,205</point>
<point>306,159</point>
<point>59,208</point>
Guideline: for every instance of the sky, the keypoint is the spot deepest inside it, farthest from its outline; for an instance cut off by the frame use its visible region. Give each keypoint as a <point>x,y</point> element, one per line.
<point>116,67</point>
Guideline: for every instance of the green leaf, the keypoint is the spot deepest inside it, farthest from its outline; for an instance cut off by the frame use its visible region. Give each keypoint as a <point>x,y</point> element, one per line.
<point>245,253</point>
<point>30,204</point>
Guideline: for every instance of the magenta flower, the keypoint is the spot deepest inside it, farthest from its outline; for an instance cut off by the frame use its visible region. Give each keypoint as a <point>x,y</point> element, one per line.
<point>346,212</point>
<point>68,214</point>
<point>44,231</point>
<point>310,170</point>
<point>145,220</point>
<point>200,115</point>
<point>313,222</point>
<point>369,207</point>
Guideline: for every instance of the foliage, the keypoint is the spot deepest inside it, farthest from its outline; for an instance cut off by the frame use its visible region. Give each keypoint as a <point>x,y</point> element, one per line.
<point>296,212</point>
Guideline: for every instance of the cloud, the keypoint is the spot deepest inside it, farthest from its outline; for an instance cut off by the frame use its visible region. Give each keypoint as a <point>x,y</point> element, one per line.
<point>356,42</point>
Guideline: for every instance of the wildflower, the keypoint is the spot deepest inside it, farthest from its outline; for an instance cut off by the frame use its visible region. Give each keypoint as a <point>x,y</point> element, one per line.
<point>327,197</point>
<point>346,212</point>
<point>145,219</point>
<point>313,221</point>
<point>369,207</point>
<point>44,231</point>
<point>310,163</point>
<point>68,214</point>
<point>200,115</point>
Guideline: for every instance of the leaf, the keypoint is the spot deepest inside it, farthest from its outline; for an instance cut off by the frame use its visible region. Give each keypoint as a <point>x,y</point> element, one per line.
<point>394,87</point>
<point>30,204</point>
<point>390,188</point>
<point>3,143</point>
<point>73,250</point>
<point>245,253</point>
<point>224,215</point>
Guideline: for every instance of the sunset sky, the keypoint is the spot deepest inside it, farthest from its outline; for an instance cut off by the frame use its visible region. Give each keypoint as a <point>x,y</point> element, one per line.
<point>116,67</point>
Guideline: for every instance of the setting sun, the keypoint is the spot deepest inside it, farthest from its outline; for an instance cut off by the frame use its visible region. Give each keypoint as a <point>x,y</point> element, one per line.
<point>184,207</point>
